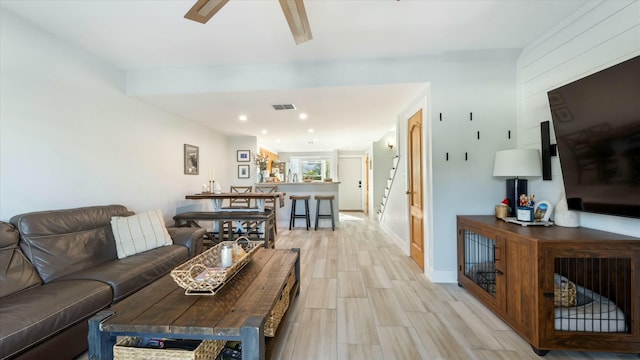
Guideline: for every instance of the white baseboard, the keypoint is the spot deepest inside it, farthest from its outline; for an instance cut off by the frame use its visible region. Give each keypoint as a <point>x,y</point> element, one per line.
<point>396,239</point>
<point>449,276</point>
<point>442,276</point>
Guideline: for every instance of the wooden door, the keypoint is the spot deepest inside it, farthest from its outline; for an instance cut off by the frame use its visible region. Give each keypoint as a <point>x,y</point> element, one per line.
<point>366,184</point>
<point>416,201</point>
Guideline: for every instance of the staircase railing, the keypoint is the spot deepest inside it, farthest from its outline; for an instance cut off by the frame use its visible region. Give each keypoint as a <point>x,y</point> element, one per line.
<point>387,189</point>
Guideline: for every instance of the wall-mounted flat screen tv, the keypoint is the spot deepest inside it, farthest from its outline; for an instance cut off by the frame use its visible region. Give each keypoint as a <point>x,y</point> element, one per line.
<point>597,125</point>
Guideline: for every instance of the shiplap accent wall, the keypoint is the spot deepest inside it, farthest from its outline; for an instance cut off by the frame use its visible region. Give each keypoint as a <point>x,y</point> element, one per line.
<point>596,37</point>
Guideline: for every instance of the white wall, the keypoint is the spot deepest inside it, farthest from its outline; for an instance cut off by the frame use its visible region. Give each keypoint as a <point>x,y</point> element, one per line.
<point>396,216</point>
<point>242,143</point>
<point>595,38</point>
<point>455,186</point>
<point>69,137</point>
<point>482,82</point>
<point>464,184</point>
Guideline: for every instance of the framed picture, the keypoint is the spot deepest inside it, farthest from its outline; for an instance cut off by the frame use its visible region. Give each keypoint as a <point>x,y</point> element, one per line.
<point>191,159</point>
<point>543,210</point>
<point>244,155</point>
<point>243,171</point>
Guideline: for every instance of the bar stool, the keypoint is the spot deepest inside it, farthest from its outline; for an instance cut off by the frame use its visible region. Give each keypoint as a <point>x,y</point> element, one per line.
<point>325,216</point>
<point>294,215</point>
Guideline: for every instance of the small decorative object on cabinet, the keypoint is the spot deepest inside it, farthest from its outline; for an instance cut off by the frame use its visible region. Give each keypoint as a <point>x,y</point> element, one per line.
<point>563,216</point>
<point>559,288</point>
<point>543,210</point>
<point>524,213</point>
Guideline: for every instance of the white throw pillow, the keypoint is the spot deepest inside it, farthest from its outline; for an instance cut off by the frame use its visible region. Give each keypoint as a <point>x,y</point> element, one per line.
<point>138,233</point>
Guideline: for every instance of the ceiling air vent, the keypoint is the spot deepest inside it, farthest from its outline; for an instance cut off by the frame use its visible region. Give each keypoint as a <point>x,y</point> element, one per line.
<point>284,107</point>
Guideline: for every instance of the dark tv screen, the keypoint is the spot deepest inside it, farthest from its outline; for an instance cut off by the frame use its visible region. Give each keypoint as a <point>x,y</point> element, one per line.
<point>597,125</point>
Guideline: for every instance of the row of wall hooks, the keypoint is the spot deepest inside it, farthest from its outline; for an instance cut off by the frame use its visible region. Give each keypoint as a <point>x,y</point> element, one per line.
<point>466,156</point>
<point>470,116</point>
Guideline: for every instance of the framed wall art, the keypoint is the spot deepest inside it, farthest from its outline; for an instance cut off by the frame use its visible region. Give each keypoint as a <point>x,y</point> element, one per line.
<point>543,210</point>
<point>244,155</point>
<point>243,171</point>
<point>191,159</point>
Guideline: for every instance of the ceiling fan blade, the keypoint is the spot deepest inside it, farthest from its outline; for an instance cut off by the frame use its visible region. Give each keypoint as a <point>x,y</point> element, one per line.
<point>203,10</point>
<point>297,19</point>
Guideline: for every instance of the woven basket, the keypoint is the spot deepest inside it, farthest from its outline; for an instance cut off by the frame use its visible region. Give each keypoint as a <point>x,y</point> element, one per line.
<point>281,306</point>
<point>564,295</point>
<point>124,349</point>
<point>203,275</point>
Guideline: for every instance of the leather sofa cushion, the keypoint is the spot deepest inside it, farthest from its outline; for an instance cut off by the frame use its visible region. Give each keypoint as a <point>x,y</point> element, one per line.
<point>189,237</point>
<point>60,242</point>
<point>36,314</point>
<point>16,273</point>
<point>9,236</point>
<point>134,272</point>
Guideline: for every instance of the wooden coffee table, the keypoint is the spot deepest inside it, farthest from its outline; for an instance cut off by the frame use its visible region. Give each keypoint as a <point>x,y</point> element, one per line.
<point>236,313</point>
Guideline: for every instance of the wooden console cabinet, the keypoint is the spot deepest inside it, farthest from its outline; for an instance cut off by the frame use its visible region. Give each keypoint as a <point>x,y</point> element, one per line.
<point>521,272</point>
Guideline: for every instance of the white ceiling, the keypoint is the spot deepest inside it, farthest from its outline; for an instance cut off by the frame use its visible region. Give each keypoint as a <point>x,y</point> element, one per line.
<point>152,34</point>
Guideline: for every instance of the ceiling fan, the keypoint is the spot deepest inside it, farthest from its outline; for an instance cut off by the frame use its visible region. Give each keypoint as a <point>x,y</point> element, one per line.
<point>293,10</point>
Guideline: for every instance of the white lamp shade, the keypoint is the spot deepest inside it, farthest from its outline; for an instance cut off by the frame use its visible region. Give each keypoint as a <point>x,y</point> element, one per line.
<point>517,163</point>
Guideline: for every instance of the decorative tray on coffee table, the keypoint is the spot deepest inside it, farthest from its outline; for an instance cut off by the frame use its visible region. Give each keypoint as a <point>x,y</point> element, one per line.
<point>204,274</point>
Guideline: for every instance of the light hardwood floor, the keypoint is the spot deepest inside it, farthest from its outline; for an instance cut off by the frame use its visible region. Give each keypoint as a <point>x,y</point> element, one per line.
<point>362,298</point>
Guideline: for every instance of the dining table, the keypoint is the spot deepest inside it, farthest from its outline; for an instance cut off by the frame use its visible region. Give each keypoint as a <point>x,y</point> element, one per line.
<point>217,199</point>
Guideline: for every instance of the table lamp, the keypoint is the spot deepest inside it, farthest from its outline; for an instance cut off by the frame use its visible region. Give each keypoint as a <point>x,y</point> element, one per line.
<point>517,163</point>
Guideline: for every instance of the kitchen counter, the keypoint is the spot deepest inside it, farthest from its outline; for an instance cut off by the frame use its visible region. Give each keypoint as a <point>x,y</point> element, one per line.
<point>301,183</point>
<point>311,189</point>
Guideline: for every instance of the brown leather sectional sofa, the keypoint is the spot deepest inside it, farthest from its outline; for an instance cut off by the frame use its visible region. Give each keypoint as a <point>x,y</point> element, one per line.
<point>58,268</point>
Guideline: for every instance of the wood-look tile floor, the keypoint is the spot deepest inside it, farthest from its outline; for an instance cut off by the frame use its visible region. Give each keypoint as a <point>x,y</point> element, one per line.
<point>362,298</point>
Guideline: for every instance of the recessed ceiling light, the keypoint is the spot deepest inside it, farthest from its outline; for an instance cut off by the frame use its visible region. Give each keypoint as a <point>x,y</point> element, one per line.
<point>277,140</point>
<point>310,131</point>
<point>242,118</point>
<point>303,116</point>
<point>264,131</point>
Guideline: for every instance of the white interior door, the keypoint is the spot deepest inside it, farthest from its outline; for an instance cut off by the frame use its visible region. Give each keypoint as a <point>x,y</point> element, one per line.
<point>351,185</point>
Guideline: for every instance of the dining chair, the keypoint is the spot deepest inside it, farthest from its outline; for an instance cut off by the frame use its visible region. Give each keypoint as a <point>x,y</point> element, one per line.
<point>270,203</point>
<point>240,202</point>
